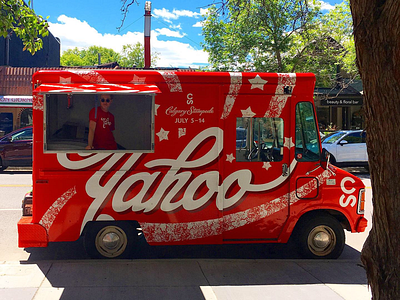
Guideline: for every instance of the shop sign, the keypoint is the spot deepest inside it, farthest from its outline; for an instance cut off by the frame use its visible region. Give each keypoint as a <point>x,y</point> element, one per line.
<point>15,101</point>
<point>341,102</point>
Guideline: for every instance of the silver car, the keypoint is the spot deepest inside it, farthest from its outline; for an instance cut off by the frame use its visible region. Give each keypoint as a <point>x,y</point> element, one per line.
<point>347,148</point>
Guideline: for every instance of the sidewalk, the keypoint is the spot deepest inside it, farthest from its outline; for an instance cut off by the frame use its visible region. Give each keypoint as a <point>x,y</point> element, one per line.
<point>188,279</point>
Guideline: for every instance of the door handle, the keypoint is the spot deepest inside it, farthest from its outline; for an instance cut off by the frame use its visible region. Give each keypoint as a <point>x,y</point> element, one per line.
<point>285,170</point>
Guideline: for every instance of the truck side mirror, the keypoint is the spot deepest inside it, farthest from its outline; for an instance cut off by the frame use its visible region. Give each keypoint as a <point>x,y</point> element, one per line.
<point>324,158</point>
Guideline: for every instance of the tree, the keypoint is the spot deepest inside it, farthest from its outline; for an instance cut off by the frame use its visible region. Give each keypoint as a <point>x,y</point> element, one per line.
<point>88,57</point>
<point>377,42</point>
<point>133,55</point>
<point>279,36</point>
<point>256,34</point>
<point>17,18</point>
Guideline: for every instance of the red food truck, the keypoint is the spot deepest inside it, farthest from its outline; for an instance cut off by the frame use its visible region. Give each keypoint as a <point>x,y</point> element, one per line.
<point>200,158</point>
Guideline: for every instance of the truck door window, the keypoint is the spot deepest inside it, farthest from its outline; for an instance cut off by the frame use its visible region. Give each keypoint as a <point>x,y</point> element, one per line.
<point>307,142</point>
<point>259,139</point>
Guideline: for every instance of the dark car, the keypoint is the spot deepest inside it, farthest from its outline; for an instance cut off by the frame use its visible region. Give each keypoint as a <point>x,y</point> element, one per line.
<point>16,149</point>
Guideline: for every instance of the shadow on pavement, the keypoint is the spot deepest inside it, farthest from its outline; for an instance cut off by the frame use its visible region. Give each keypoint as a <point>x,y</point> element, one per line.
<point>193,272</point>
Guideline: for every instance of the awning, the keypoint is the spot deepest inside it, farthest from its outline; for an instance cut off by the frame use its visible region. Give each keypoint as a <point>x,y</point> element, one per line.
<point>88,88</point>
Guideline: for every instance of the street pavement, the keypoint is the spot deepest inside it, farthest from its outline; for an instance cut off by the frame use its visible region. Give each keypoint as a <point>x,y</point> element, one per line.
<point>171,279</point>
<point>235,272</point>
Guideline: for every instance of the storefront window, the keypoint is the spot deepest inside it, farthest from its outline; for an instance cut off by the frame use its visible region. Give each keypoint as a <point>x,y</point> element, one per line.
<point>26,117</point>
<point>6,123</point>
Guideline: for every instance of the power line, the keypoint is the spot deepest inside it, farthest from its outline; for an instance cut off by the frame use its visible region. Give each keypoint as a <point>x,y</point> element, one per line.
<point>130,24</point>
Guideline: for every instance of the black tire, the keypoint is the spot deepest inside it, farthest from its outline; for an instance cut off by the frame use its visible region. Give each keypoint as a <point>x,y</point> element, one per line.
<point>110,240</point>
<point>320,237</point>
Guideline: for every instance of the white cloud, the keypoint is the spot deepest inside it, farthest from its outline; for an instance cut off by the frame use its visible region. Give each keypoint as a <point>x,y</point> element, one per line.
<point>326,6</point>
<point>179,27</point>
<point>177,54</point>
<point>167,15</point>
<point>76,33</point>
<point>198,24</point>
<point>169,32</point>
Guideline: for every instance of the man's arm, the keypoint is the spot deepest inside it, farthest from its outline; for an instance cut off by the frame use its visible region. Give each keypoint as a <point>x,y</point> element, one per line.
<point>92,128</point>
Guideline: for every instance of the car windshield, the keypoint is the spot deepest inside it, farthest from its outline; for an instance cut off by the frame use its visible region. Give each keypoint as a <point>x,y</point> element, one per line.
<point>333,138</point>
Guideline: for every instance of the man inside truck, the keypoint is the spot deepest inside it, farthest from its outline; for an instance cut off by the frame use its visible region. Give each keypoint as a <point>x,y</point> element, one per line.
<point>101,126</point>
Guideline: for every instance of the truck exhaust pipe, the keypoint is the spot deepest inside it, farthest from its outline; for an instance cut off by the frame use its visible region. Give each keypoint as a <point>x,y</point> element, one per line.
<point>147,29</point>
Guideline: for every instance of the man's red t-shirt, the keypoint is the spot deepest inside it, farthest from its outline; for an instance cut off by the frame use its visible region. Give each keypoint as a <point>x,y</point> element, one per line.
<point>105,125</point>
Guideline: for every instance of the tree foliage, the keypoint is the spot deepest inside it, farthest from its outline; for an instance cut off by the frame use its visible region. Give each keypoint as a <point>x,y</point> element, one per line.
<point>131,55</point>
<point>17,18</point>
<point>89,56</point>
<point>279,36</point>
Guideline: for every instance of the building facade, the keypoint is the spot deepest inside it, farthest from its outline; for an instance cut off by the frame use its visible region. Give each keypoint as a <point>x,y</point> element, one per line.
<point>340,108</point>
<point>16,70</point>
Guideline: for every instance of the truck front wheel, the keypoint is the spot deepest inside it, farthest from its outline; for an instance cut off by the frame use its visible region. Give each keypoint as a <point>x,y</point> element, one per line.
<point>321,237</point>
<point>109,240</point>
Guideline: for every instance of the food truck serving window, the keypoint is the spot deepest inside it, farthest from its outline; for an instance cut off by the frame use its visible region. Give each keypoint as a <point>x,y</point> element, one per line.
<point>123,118</point>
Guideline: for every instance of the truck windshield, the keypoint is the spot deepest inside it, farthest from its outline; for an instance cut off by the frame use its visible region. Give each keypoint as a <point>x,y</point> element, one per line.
<point>307,142</point>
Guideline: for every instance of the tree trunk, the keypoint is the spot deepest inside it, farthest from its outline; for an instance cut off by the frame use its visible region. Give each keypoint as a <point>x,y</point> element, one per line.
<point>377,41</point>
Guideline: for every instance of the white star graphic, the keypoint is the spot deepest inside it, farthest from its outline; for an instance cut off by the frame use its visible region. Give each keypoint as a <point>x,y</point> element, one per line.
<point>138,80</point>
<point>288,143</point>
<point>247,113</point>
<point>257,83</point>
<point>230,157</point>
<point>266,165</point>
<point>156,106</point>
<point>65,79</point>
<point>163,134</point>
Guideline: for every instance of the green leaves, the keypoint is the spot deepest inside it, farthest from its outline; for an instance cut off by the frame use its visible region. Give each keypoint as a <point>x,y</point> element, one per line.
<point>17,18</point>
<point>131,55</point>
<point>280,36</point>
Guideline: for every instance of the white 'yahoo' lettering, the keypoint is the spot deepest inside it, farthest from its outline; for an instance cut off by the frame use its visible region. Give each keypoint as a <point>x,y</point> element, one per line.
<point>171,183</point>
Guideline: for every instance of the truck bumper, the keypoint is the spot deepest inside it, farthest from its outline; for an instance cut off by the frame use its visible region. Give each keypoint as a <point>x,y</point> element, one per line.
<point>31,234</point>
<point>361,224</point>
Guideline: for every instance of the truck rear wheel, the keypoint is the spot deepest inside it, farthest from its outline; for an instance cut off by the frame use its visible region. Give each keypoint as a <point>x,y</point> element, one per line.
<point>107,240</point>
<point>321,237</point>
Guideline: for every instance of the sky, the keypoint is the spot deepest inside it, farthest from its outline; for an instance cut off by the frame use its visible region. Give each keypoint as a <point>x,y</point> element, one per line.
<point>175,26</point>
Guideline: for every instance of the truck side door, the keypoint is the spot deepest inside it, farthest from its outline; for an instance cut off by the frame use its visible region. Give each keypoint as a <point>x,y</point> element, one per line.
<point>256,172</point>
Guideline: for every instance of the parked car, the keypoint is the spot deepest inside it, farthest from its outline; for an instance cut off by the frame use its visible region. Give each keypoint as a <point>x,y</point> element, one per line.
<point>347,148</point>
<point>16,149</point>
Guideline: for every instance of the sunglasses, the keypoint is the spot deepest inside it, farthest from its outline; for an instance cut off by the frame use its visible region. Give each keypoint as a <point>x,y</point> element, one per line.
<point>105,100</point>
